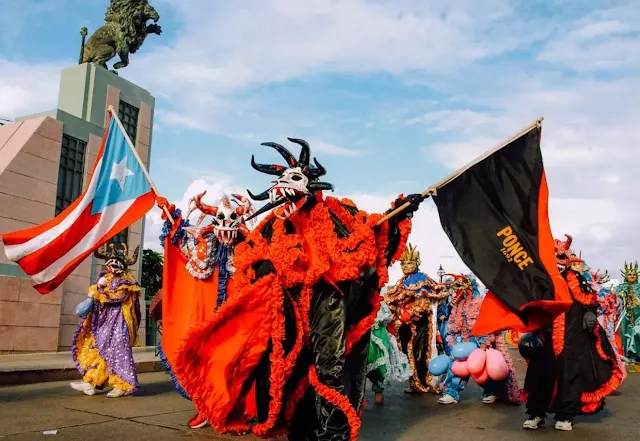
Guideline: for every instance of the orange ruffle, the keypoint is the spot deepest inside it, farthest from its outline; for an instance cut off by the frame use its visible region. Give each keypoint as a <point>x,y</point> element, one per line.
<point>592,401</point>
<point>577,293</point>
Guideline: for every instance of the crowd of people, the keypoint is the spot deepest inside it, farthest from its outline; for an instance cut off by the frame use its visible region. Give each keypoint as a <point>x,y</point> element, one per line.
<point>277,329</point>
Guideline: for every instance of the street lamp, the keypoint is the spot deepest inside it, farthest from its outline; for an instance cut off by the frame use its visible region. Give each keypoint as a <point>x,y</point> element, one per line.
<point>441,273</point>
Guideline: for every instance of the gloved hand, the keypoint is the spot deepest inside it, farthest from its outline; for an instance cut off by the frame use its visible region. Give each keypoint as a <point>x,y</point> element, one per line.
<point>589,321</point>
<point>163,202</point>
<point>414,200</point>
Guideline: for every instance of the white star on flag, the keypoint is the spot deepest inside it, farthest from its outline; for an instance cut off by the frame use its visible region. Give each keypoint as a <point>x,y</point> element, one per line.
<point>119,172</point>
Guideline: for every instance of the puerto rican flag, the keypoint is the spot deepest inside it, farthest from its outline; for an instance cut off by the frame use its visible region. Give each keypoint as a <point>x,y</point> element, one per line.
<point>118,195</point>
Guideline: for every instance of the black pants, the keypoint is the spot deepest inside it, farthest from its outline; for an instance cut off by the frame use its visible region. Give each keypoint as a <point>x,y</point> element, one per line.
<point>540,383</point>
<point>315,418</point>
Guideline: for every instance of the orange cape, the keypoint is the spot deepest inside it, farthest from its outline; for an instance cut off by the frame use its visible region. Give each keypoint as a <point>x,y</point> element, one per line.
<point>187,303</point>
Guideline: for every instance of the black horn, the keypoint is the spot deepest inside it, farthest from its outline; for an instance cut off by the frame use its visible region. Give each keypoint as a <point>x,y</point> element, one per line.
<point>317,186</point>
<point>315,173</point>
<point>305,151</point>
<point>286,154</point>
<point>259,197</point>
<point>274,170</point>
<point>266,207</point>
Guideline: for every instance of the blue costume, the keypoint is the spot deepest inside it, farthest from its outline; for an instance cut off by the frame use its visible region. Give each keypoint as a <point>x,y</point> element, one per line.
<point>466,302</point>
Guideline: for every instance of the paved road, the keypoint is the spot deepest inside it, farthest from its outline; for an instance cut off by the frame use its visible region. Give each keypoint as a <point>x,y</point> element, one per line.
<point>158,413</point>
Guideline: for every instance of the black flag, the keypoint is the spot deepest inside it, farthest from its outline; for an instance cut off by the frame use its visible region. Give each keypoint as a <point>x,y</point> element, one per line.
<point>496,215</point>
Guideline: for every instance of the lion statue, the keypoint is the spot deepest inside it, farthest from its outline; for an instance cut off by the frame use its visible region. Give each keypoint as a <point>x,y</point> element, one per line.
<point>123,33</point>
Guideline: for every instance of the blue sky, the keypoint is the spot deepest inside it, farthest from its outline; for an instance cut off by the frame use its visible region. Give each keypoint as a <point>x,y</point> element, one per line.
<point>392,95</point>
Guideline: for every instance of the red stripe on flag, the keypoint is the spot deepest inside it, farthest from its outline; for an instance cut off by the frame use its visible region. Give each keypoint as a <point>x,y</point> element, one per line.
<point>142,205</point>
<point>41,259</point>
<point>22,236</point>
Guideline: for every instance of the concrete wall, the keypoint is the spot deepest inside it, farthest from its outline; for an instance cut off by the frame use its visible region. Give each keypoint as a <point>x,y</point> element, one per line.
<point>29,162</point>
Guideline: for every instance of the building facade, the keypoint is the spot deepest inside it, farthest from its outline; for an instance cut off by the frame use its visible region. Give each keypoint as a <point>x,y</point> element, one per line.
<point>45,164</point>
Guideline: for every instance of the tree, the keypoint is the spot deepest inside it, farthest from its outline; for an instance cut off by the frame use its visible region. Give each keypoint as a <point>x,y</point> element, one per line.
<point>152,266</point>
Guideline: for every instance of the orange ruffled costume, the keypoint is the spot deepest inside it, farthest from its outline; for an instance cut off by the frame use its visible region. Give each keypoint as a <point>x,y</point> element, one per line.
<point>248,368</point>
<point>187,302</point>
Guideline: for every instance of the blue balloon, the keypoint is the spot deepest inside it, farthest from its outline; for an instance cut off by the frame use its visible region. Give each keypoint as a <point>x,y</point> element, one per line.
<point>462,350</point>
<point>85,307</point>
<point>439,365</point>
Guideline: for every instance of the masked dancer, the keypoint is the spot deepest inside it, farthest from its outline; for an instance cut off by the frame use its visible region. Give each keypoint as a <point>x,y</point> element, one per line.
<point>572,365</point>
<point>108,329</point>
<point>287,354</point>
<point>198,272</point>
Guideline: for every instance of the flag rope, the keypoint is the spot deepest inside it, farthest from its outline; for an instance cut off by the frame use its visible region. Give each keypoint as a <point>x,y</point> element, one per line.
<point>114,115</point>
<point>432,190</point>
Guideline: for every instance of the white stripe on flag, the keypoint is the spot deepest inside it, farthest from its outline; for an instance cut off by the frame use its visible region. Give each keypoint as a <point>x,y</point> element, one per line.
<point>17,252</point>
<point>109,217</point>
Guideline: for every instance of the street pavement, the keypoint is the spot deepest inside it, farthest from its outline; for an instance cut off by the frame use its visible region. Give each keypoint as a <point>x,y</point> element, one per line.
<point>158,413</point>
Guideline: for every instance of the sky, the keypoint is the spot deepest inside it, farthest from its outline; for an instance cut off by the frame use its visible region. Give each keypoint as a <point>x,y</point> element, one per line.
<point>391,95</point>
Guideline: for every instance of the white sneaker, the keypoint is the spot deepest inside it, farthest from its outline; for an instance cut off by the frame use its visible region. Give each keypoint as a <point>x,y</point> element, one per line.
<point>83,386</point>
<point>533,423</point>
<point>116,393</point>
<point>489,399</point>
<point>564,425</point>
<point>447,399</point>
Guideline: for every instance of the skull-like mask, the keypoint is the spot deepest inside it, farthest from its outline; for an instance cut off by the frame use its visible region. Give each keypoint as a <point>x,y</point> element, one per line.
<point>116,260</point>
<point>565,257</point>
<point>295,183</point>
<point>227,219</point>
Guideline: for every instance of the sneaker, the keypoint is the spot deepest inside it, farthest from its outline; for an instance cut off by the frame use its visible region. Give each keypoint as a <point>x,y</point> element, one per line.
<point>379,396</point>
<point>564,425</point>
<point>447,399</point>
<point>83,386</point>
<point>116,393</point>
<point>198,421</point>
<point>533,423</point>
<point>490,399</point>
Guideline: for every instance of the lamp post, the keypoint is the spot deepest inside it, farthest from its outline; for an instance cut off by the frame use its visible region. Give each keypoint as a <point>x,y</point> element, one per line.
<point>441,273</point>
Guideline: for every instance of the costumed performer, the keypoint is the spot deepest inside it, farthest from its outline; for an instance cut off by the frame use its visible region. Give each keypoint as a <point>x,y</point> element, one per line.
<point>572,365</point>
<point>629,292</point>
<point>444,312</point>
<point>609,308</point>
<point>413,301</point>
<point>386,362</point>
<point>287,354</point>
<point>108,329</point>
<point>466,301</point>
<point>198,273</point>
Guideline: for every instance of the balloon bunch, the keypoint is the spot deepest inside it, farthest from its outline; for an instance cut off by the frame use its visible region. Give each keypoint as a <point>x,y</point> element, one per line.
<point>470,361</point>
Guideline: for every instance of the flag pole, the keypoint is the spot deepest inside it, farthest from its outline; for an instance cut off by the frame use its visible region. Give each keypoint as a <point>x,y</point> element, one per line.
<point>114,115</point>
<point>537,123</point>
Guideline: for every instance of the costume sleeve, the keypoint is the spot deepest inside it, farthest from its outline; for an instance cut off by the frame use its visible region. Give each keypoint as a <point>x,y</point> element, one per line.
<point>395,234</point>
<point>176,230</point>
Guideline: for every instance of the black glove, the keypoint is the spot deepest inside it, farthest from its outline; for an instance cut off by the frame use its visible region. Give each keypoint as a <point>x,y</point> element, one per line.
<point>414,199</point>
<point>589,321</point>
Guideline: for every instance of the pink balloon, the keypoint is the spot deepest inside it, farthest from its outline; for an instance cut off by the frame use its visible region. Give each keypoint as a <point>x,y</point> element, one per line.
<point>481,378</point>
<point>477,361</point>
<point>497,368</point>
<point>459,368</point>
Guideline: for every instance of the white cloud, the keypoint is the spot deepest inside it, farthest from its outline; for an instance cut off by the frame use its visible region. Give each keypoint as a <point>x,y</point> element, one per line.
<point>602,40</point>
<point>227,50</point>
<point>27,88</point>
